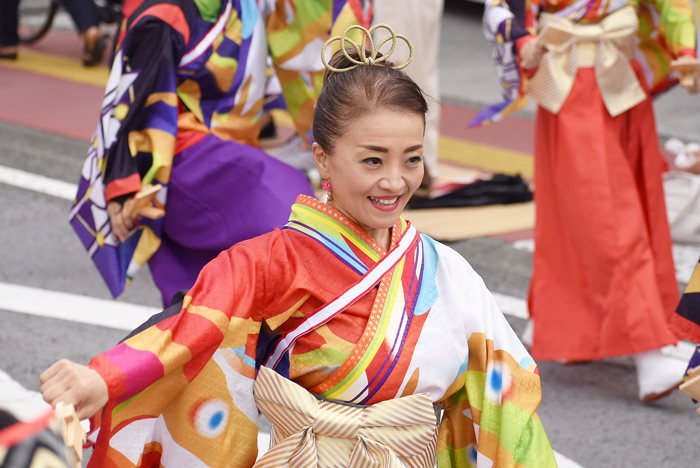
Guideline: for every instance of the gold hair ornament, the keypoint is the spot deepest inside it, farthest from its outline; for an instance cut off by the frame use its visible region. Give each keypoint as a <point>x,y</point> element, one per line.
<point>361,51</point>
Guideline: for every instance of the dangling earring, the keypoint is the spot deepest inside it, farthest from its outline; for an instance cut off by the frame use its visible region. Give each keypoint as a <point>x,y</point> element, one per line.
<point>326,185</point>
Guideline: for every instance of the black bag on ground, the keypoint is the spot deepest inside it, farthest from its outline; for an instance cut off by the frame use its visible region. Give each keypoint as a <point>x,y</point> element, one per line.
<point>500,190</point>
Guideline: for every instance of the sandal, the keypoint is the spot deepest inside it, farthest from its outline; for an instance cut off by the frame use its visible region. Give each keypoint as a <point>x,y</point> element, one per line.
<point>9,55</point>
<point>93,55</point>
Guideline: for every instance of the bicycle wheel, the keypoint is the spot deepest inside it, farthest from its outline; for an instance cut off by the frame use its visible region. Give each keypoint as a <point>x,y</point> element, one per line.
<point>35,19</point>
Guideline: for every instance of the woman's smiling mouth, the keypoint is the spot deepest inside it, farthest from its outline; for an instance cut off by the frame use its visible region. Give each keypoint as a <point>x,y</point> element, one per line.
<point>387,203</point>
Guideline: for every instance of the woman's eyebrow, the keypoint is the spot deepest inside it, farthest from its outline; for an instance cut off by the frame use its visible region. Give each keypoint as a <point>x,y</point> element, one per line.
<point>381,149</point>
<point>413,148</point>
<point>378,149</point>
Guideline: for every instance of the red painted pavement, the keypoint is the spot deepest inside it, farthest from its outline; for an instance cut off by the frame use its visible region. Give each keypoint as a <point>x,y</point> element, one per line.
<point>49,104</point>
<point>513,133</point>
<point>67,108</point>
<point>67,44</point>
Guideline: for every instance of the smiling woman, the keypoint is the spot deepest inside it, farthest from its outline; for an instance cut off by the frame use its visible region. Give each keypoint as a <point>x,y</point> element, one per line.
<point>369,126</point>
<point>362,341</point>
<point>374,169</point>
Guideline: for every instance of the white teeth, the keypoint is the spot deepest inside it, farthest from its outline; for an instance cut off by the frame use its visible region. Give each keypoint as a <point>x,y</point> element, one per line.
<point>384,202</point>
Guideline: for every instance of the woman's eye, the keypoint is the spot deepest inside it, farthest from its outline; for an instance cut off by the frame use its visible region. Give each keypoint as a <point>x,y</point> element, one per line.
<point>415,159</point>
<point>372,161</point>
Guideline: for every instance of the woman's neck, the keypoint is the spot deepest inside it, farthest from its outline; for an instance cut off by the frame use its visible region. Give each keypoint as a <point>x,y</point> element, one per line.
<point>381,235</point>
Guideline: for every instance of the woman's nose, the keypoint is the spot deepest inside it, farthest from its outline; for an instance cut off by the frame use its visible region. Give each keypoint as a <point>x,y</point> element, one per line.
<point>392,181</point>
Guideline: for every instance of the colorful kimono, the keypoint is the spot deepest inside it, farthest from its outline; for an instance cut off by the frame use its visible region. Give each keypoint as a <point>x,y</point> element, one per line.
<point>686,321</point>
<point>181,391</point>
<point>603,277</point>
<point>182,109</point>
<point>665,32</point>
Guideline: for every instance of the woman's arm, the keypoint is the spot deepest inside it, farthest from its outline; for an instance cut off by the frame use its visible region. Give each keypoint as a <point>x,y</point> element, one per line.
<point>509,26</point>
<point>143,146</point>
<point>491,417</point>
<point>174,349</point>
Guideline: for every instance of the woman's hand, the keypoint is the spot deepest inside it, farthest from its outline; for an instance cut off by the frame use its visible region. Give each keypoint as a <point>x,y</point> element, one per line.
<point>121,223</point>
<point>691,83</point>
<point>688,71</point>
<point>74,384</point>
<point>531,53</point>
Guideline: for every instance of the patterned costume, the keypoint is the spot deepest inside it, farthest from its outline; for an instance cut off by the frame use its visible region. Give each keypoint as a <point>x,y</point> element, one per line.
<point>603,281</point>
<point>182,391</point>
<point>664,33</point>
<point>182,108</point>
<point>686,321</point>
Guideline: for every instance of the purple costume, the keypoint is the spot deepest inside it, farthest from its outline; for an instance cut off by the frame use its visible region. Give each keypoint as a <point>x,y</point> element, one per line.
<point>182,109</point>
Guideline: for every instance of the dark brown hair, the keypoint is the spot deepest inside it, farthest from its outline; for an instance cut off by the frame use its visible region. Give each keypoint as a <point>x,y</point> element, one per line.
<point>351,94</point>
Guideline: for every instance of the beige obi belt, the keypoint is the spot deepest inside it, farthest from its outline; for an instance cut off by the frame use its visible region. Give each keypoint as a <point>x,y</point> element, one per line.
<point>607,46</point>
<point>308,433</point>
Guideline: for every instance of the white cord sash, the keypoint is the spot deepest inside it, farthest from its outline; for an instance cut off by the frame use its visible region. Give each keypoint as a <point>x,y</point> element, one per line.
<point>347,297</point>
<point>208,38</point>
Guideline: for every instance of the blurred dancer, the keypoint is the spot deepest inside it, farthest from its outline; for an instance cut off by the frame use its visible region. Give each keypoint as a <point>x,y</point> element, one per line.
<point>87,19</point>
<point>422,19</point>
<point>686,320</point>
<point>603,282</point>
<point>182,109</point>
<point>8,29</point>
<point>84,14</point>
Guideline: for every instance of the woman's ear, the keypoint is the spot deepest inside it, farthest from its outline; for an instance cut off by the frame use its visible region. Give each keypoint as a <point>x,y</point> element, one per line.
<point>321,159</point>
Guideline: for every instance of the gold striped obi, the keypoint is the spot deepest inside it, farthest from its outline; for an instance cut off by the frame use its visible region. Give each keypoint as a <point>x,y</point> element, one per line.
<point>308,433</point>
<point>607,46</point>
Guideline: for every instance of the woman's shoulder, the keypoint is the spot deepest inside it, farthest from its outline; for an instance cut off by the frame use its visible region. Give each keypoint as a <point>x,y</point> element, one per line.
<point>445,255</point>
<point>264,244</point>
<point>277,246</point>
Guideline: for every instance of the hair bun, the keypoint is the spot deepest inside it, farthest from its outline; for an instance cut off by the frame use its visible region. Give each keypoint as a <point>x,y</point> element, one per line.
<point>361,57</point>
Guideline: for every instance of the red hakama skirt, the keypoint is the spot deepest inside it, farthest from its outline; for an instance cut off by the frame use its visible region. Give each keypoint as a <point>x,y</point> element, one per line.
<point>603,282</point>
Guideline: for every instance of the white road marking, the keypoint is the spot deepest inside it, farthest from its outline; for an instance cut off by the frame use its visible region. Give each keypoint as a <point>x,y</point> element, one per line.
<point>27,180</point>
<point>685,257</point>
<point>126,316</point>
<point>565,462</point>
<point>112,314</point>
<point>513,306</point>
<point>73,307</point>
<point>27,404</point>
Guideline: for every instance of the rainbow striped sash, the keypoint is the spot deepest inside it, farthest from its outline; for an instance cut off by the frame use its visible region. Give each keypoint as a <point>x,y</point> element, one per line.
<point>348,296</point>
<point>367,375</point>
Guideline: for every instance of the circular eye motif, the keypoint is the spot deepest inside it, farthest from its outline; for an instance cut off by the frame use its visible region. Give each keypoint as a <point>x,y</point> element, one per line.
<point>211,418</point>
<point>472,454</point>
<point>498,382</point>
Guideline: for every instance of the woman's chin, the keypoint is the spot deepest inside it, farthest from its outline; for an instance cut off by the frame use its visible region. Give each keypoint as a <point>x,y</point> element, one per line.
<point>383,221</point>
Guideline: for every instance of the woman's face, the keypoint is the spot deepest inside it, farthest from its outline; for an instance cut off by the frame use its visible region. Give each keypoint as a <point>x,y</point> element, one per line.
<point>375,167</point>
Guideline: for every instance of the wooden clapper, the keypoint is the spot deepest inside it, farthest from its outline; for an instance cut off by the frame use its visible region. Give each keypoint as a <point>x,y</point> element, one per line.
<point>692,386</point>
<point>72,432</point>
<point>141,204</point>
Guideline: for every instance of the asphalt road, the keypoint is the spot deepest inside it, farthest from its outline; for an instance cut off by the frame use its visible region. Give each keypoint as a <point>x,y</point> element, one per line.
<point>590,410</point>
